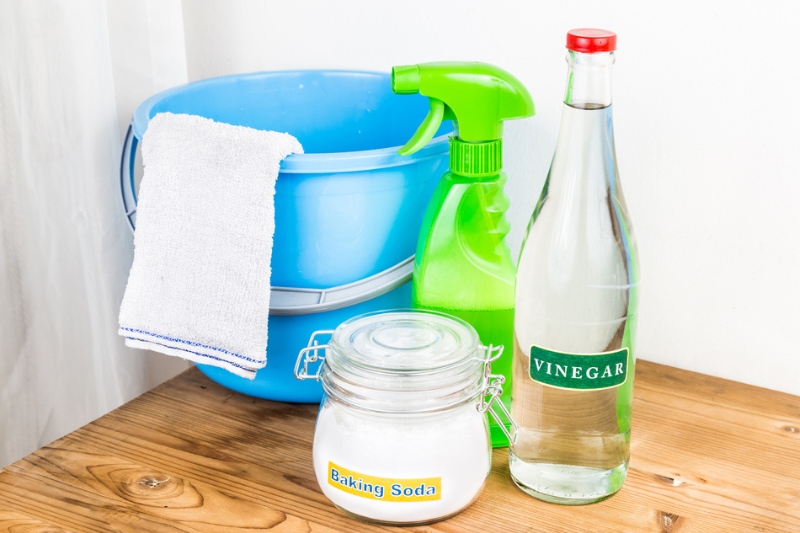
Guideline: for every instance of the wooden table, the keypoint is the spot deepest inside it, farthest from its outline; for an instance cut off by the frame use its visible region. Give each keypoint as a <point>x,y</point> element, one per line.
<point>707,455</point>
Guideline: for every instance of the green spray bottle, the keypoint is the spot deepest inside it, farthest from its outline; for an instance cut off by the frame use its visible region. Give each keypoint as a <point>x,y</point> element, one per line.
<point>463,265</point>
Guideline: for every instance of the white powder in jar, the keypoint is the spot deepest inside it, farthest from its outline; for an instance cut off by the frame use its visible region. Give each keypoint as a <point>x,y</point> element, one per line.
<point>363,459</point>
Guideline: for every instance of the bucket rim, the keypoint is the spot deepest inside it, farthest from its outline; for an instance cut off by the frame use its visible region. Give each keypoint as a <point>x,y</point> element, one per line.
<point>320,162</point>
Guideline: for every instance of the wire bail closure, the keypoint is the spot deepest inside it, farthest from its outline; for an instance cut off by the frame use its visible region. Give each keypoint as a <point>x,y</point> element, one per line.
<point>310,355</point>
<point>490,399</point>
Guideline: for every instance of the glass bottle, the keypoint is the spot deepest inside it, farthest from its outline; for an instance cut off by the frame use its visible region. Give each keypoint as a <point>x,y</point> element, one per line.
<point>576,299</point>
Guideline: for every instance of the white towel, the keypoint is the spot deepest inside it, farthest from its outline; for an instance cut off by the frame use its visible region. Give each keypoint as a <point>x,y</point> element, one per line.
<point>200,282</point>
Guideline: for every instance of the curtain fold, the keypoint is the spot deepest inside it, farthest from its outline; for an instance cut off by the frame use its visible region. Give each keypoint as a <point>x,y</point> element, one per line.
<point>71,74</point>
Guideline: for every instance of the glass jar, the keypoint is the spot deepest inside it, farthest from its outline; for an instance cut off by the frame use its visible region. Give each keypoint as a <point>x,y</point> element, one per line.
<point>401,435</point>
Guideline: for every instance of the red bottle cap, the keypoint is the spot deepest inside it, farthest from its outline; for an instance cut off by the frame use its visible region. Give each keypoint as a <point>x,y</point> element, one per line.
<point>590,40</point>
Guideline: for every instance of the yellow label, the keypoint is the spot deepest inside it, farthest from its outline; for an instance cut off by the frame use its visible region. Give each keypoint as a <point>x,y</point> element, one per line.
<point>383,488</point>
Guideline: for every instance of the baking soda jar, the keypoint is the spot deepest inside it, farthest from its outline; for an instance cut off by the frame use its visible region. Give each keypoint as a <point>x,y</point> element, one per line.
<point>401,436</point>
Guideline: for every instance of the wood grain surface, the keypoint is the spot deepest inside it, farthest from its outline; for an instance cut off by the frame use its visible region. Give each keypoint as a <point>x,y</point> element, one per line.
<point>191,456</point>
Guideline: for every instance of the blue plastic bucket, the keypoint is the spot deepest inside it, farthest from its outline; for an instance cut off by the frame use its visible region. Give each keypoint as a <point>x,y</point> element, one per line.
<point>347,212</point>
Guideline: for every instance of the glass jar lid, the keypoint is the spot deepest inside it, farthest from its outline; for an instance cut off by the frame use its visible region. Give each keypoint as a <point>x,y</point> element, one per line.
<point>405,360</point>
<point>405,341</point>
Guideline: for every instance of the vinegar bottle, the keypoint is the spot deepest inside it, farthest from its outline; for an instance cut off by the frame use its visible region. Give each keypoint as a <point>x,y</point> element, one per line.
<point>576,299</point>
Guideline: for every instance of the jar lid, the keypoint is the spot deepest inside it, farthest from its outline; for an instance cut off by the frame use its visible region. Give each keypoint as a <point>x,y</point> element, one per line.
<point>591,40</point>
<point>405,341</point>
<point>405,360</point>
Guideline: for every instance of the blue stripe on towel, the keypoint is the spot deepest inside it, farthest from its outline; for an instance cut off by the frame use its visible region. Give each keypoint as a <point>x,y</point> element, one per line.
<point>199,354</point>
<point>189,343</point>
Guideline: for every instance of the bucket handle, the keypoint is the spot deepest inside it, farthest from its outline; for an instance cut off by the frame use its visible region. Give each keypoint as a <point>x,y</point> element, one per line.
<point>126,185</point>
<point>293,301</point>
<point>283,300</point>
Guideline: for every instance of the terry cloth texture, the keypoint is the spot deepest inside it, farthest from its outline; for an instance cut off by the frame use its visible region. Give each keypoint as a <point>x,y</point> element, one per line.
<point>199,286</point>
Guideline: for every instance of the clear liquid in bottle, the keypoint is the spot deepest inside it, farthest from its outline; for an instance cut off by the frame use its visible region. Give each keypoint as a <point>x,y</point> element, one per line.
<point>576,296</point>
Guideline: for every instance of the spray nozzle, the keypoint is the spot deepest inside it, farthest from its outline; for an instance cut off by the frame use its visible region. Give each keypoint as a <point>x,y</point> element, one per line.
<point>478,96</point>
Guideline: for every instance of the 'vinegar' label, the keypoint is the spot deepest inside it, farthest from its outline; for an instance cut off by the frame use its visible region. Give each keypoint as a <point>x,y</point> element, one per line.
<point>579,371</point>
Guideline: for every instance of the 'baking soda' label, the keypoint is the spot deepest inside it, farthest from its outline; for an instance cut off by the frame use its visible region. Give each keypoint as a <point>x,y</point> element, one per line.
<point>383,488</point>
<point>579,371</point>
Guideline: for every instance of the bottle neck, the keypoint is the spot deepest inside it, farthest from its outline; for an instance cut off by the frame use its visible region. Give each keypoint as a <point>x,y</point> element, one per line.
<point>589,80</point>
<point>476,160</point>
<point>585,158</point>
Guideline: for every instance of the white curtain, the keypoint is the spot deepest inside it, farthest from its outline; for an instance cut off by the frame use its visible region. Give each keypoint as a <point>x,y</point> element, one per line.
<point>71,74</point>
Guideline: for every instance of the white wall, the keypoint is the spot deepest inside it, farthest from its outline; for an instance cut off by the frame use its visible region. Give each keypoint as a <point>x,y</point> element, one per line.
<point>65,250</point>
<point>706,125</point>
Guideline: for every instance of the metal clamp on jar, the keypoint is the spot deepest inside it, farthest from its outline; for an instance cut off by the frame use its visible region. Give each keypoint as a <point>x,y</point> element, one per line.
<point>401,436</point>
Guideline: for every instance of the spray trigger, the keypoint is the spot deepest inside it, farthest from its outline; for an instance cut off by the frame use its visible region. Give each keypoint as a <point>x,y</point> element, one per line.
<point>427,129</point>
